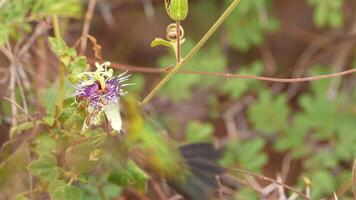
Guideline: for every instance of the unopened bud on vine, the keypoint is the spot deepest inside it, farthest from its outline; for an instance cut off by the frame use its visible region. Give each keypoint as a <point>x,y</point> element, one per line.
<point>177,9</point>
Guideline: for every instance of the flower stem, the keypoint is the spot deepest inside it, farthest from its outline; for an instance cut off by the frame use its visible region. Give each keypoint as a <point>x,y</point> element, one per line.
<point>60,97</point>
<point>57,32</point>
<point>202,41</point>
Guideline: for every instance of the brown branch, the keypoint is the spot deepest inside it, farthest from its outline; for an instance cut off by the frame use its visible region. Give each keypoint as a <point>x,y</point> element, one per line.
<point>229,75</point>
<point>262,177</point>
<point>86,26</point>
<point>18,106</point>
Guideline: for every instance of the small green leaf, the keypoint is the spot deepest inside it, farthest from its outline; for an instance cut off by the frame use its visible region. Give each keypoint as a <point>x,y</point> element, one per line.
<point>45,167</point>
<point>198,132</point>
<point>84,178</point>
<point>58,45</point>
<point>177,9</point>
<point>160,41</point>
<point>67,192</point>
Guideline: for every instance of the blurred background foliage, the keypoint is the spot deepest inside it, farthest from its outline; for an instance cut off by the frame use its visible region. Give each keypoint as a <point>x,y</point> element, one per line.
<point>296,130</point>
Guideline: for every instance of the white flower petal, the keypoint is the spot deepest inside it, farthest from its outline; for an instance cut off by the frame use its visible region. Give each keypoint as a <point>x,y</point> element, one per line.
<point>112,112</point>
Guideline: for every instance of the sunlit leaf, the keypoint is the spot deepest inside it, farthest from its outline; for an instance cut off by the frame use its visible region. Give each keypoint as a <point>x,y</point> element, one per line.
<point>45,167</point>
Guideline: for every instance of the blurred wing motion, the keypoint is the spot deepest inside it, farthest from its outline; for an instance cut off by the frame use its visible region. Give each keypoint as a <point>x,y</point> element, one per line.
<point>201,182</point>
<point>190,169</point>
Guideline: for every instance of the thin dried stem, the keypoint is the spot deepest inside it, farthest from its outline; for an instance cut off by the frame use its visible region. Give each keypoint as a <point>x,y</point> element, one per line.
<point>353,180</point>
<point>13,96</point>
<point>21,88</point>
<point>262,177</point>
<point>158,190</point>
<point>86,26</point>
<point>18,106</point>
<point>229,75</point>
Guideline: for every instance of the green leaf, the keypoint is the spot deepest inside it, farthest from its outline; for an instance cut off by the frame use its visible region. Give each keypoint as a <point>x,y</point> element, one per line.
<point>159,41</point>
<point>131,175</point>
<point>177,9</point>
<point>66,192</point>
<point>13,170</point>
<point>45,144</point>
<point>55,184</point>
<point>247,154</point>
<point>62,8</point>
<point>58,46</point>
<point>72,117</point>
<point>327,12</point>
<point>246,27</point>
<point>78,157</point>
<point>324,182</point>
<point>198,132</point>
<point>45,167</point>
<point>68,56</point>
<point>270,114</point>
<point>181,86</point>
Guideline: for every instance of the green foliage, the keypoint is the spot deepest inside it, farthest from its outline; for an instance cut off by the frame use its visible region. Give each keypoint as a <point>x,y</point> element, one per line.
<point>14,19</point>
<point>269,114</point>
<point>248,24</point>
<point>315,128</point>
<point>131,175</point>
<point>239,153</point>
<point>327,12</point>
<point>235,88</point>
<point>68,56</point>
<point>20,128</point>
<point>181,86</point>
<point>66,192</point>
<point>199,132</point>
<point>324,182</point>
<point>45,144</point>
<point>63,8</point>
<point>45,167</point>
<point>139,81</point>
<point>81,157</point>
<point>12,169</point>
<point>108,190</point>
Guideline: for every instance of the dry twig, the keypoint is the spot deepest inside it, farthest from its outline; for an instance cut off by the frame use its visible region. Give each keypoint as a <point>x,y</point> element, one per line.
<point>262,177</point>
<point>229,75</point>
<point>86,26</point>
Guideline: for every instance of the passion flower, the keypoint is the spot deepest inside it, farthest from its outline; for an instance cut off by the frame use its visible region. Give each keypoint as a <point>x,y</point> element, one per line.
<point>100,91</point>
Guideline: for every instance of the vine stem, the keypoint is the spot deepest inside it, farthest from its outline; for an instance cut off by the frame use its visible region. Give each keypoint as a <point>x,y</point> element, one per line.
<point>178,41</point>
<point>59,103</point>
<point>153,70</point>
<point>202,41</point>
